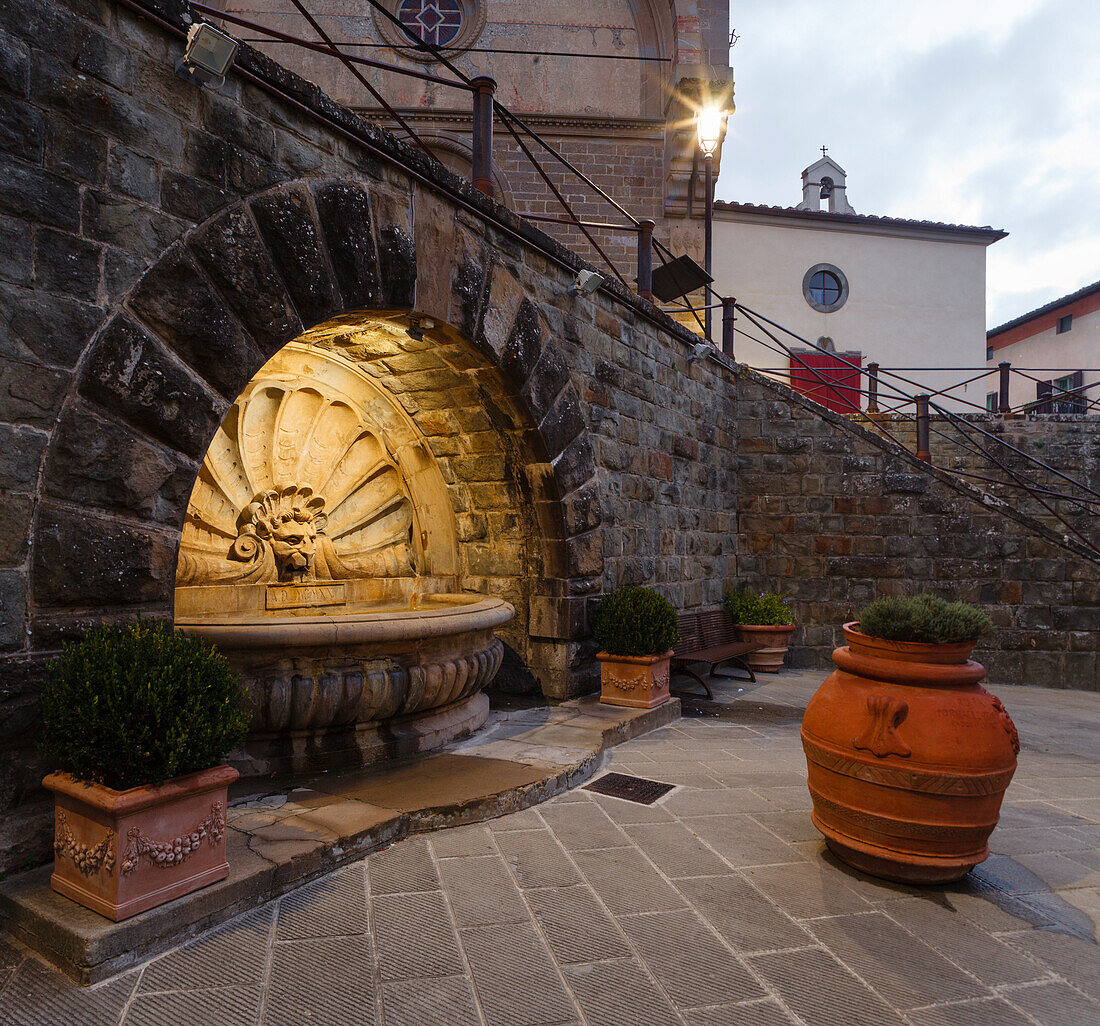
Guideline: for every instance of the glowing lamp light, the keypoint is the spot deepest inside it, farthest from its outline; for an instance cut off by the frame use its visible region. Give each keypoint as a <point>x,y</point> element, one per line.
<point>709,123</point>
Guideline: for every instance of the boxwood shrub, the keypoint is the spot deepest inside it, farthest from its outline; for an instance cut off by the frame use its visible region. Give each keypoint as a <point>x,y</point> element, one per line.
<point>139,704</point>
<point>926,618</point>
<point>767,610</point>
<point>635,621</point>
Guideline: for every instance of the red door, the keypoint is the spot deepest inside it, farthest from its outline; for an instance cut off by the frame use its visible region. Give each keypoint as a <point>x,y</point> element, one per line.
<point>831,379</point>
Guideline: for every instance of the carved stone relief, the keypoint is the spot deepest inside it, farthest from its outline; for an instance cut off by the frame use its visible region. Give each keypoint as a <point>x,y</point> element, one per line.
<point>308,479</point>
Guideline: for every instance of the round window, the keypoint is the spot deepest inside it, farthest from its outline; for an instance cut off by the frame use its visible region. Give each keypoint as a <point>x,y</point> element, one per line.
<point>435,21</point>
<point>451,24</point>
<point>825,287</point>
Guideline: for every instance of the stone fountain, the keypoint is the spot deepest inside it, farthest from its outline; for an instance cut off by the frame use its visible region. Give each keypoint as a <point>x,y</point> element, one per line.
<point>320,555</point>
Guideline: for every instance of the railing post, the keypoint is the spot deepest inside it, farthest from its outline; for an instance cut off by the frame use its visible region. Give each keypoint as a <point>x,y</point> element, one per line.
<point>645,258</point>
<point>872,388</point>
<point>484,87</point>
<point>1005,367</point>
<point>729,312</point>
<point>922,428</point>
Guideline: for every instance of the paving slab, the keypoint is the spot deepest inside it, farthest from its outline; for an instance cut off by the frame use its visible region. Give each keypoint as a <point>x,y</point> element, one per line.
<point>585,909</point>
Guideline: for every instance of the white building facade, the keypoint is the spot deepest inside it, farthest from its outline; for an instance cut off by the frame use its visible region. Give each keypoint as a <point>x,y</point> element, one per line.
<point>908,295</point>
<point>1058,344</point>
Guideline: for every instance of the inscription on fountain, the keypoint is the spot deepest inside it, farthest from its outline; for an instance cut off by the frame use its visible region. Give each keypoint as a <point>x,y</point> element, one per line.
<point>305,596</point>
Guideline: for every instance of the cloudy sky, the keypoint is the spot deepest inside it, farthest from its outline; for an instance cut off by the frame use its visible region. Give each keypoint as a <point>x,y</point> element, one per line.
<point>966,111</point>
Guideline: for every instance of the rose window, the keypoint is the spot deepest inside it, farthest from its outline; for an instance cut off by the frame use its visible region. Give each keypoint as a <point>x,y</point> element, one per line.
<point>437,22</point>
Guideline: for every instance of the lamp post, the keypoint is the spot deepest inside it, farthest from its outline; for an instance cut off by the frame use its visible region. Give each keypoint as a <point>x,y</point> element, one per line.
<point>709,125</point>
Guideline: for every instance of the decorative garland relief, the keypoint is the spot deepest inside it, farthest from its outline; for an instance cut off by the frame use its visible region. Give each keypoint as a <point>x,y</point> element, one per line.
<point>86,858</point>
<point>177,850</point>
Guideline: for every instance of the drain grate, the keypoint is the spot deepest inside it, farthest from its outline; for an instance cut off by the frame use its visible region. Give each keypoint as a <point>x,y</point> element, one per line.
<point>632,789</point>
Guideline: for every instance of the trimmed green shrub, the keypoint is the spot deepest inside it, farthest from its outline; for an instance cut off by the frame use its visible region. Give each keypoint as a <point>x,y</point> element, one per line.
<point>139,704</point>
<point>635,621</point>
<point>926,618</point>
<point>767,610</point>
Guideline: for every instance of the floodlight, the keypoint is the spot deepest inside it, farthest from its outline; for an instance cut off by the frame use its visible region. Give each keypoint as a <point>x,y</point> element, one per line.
<point>208,55</point>
<point>586,282</point>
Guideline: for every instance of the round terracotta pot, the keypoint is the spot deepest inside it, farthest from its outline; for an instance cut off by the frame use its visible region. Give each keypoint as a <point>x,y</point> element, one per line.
<point>776,641</point>
<point>908,758</point>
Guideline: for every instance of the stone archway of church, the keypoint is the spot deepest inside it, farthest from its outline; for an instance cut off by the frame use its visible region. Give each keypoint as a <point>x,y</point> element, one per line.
<point>337,266</point>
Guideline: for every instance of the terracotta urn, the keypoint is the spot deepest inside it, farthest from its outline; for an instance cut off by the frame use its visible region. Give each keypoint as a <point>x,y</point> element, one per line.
<point>776,639</point>
<point>640,682</point>
<point>122,852</point>
<point>908,757</point>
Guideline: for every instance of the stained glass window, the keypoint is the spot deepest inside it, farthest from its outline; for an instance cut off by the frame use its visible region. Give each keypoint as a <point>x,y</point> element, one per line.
<point>435,21</point>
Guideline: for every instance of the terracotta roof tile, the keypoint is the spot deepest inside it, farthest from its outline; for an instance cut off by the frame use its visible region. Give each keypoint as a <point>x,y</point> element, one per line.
<point>984,231</point>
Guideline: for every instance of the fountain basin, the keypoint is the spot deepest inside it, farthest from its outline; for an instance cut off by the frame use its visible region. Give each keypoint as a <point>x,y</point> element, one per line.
<point>355,687</point>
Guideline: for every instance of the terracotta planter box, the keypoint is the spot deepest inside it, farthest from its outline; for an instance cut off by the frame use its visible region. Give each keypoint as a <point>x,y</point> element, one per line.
<point>639,682</point>
<point>908,758</point>
<point>122,852</point>
<point>776,639</point>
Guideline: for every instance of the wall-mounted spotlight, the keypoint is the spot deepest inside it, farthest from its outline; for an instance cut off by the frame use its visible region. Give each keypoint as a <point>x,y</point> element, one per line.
<point>586,282</point>
<point>207,57</point>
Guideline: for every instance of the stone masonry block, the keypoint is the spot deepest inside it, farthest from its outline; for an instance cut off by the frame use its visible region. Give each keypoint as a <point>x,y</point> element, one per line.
<point>230,251</point>
<point>505,296</point>
<point>175,301</point>
<point>38,195</point>
<point>562,424</point>
<point>397,261</point>
<point>30,393</point>
<point>21,450</point>
<point>66,263</point>
<point>16,513</point>
<point>574,466</point>
<point>132,374</point>
<point>13,608</point>
<point>99,463</point>
<point>22,131</point>
<point>344,211</point>
<point>89,561</point>
<point>53,328</point>
<point>288,226</point>
<point>524,344</point>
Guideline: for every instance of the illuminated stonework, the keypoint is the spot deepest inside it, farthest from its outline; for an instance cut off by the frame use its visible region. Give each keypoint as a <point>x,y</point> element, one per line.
<point>315,474</point>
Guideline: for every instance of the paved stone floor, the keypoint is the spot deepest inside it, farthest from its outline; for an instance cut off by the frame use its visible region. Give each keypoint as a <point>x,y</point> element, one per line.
<point>719,905</point>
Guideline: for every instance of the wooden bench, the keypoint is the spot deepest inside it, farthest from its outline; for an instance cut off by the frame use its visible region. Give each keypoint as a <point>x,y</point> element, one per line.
<point>710,639</point>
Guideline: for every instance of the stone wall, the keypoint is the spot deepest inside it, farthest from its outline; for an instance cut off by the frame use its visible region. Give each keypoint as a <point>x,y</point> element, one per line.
<point>833,515</point>
<point>1067,444</point>
<point>162,241</point>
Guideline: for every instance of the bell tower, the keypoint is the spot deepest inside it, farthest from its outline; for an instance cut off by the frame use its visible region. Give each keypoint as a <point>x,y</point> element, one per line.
<point>825,179</point>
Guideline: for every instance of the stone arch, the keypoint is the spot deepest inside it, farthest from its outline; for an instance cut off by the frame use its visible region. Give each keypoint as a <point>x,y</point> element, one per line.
<point>157,378</point>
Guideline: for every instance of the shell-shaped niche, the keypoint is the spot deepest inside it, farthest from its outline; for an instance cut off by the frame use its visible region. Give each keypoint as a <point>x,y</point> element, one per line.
<point>315,474</point>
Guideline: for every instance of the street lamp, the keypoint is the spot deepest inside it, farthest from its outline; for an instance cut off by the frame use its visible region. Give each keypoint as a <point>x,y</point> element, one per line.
<point>708,122</point>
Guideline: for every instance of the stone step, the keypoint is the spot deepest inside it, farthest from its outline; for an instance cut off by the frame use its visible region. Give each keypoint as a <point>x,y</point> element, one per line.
<point>280,839</point>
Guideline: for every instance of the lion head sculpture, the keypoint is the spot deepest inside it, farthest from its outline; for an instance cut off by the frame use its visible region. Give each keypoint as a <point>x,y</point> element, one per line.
<point>284,523</point>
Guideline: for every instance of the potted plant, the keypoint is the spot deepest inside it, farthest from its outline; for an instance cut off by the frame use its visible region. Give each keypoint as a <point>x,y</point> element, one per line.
<point>635,629</point>
<point>137,719</point>
<point>765,619</point>
<point>908,756</point>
